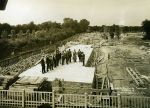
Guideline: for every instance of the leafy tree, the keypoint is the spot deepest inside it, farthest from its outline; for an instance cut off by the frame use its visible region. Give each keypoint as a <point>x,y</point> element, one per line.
<point>95,28</point>
<point>49,25</point>
<point>28,32</point>
<point>4,34</point>
<point>72,24</point>
<point>115,30</point>
<point>118,31</point>
<point>78,27</point>
<point>5,27</point>
<point>12,33</point>
<point>20,33</point>
<point>68,23</point>
<point>84,25</point>
<point>111,35</point>
<point>5,48</point>
<point>31,26</point>
<point>17,28</point>
<point>146,29</point>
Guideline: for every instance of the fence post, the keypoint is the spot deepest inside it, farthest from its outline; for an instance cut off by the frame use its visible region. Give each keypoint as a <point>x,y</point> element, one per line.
<point>86,96</point>
<point>53,99</point>
<point>23,98</point>
<point>119,101</point>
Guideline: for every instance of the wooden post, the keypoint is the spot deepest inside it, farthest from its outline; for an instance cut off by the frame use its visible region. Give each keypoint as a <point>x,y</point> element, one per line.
<point>119,101</point>
<point>86,100</point>
<point>53,99</point>
<point>96,67</point>
<point>23,98</point>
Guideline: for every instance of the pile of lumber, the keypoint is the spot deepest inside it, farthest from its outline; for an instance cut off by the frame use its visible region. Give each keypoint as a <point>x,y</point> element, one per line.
<point>6,81</point>
<point>28,83</point>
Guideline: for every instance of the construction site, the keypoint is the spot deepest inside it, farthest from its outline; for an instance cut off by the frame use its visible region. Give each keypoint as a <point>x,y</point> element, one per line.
<point>74,54</point>
<point>116,75</point>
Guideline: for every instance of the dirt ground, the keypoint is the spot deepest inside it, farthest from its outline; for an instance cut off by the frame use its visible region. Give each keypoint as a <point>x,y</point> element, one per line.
<point>129,51</point>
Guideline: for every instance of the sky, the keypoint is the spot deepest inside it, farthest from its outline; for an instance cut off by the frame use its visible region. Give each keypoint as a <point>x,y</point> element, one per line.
<point>98,12</point>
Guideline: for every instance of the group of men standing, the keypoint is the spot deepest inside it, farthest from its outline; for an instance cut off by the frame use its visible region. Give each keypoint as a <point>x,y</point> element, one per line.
<point>64,57</point>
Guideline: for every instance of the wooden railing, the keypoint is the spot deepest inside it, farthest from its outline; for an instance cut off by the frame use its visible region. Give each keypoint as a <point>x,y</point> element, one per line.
<point>11,98</point>
<point>33,99</point>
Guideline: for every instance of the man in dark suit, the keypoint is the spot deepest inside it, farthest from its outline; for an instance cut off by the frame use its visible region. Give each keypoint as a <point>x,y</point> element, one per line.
<point>43,65</point>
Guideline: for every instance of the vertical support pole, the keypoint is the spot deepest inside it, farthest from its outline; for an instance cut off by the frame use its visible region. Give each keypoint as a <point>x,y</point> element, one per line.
<point>96,67</point>
<point>23,98</point>
<point>86,96</point>
<point>53,99</point>
<point>119,101</point>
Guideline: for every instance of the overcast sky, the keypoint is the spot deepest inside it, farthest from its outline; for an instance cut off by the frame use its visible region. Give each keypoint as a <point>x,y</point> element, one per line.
<point>98,12</point>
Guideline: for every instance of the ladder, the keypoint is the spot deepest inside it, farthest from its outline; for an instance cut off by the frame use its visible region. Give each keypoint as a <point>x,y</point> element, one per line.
<point>135,76</point>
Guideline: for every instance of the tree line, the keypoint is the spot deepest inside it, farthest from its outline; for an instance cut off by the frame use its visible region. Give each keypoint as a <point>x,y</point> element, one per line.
<point>113,28</point>
<point>10,31</point>
<point>31,36</point>
<point>145,28</point>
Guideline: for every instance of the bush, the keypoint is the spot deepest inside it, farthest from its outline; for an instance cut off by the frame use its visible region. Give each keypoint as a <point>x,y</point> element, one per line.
<point>146,29</point>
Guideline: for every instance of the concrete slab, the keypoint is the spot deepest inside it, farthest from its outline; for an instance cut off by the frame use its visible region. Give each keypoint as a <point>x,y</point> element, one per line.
<point>73,72</point>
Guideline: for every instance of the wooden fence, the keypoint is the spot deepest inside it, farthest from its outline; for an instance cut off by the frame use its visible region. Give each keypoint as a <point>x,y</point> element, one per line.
<point>33,99</point>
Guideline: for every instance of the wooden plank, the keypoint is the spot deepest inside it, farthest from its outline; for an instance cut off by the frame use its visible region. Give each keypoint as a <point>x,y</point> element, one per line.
<point>128,70</point>
<point>101,90</point>
<point>28,83</point>
<point>139,76</point>
<point>135,76</point>
<point>103,82</point>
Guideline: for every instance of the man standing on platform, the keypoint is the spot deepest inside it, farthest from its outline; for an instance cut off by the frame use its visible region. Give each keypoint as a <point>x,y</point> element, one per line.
<point>43,65</point>
<point>79,55</point>
<point>54,60</point>
<point>63,57</point>
<point>57,57</point>
<point>48,63</point>
<point>74,56</point>
<point>69,55</point>
<point>51,63</point>
<point>83,58</point>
